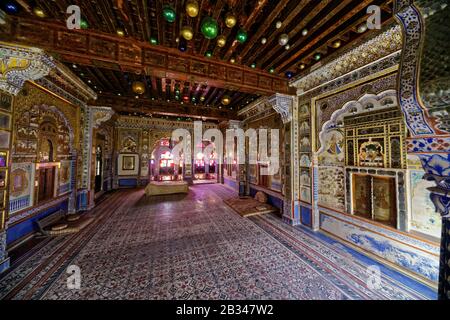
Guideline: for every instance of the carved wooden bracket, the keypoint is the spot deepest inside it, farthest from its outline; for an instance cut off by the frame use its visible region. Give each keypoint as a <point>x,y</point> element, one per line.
<point>19,64</point>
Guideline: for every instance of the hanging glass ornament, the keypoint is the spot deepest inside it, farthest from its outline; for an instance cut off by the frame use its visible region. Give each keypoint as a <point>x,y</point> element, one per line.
<point>182,45</point>
<point>283,39</point>
<point>209,28</point>
<point>169,13</point>
<point>138,87</point>
<point>263,41</point>
<point>84,24</point>
<point>221,41</point>
<point>187,32</point>
<point>241,35</point>
<point>39,12</point>
<point>278,24</point>
<point>230,20</point>
<point>192,8</point>
<point>226,100</point>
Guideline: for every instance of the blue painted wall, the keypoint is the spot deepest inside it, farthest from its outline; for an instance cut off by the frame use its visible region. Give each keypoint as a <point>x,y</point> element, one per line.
<point>306,216</point>
<point>24,228</point>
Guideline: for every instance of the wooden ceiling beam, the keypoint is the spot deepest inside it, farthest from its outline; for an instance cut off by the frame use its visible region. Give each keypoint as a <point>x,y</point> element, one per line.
<point>226,32</point>
<point>88,47</point>
<point>160,23</point>
<point>143,13</point>
<point>129,104</point>
<point>341,35</point>
<point>319,6</point>
<point>293,55</point>
<point>263,28</point>
<point>250,20</point>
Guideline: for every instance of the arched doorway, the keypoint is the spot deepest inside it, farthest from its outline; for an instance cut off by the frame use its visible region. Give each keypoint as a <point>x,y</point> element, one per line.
<point>205,163</point>
<point>162,166</point>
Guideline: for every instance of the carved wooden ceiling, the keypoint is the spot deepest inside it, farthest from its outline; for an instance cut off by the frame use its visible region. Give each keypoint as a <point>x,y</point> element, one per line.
<point>126,27</point>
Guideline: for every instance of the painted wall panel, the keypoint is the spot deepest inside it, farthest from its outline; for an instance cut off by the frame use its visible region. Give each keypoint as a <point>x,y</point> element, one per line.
<point>410,256</point>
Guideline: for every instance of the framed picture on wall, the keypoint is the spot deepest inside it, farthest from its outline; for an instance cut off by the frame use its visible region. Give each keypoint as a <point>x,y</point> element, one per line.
<point>128,163</point>
<point>5,121</point>
<point>5,101</point>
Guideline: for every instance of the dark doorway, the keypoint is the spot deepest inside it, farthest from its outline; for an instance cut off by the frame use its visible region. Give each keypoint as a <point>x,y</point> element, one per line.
<point>46,183</point>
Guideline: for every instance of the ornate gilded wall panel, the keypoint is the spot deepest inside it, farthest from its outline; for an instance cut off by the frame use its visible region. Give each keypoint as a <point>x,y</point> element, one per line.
<point>376,139</point>
<point>327,106</point>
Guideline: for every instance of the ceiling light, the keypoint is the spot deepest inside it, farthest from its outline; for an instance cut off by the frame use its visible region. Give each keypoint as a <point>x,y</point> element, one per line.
<point>278,24</point>
<point>304,32</point>
<point>120,32</point>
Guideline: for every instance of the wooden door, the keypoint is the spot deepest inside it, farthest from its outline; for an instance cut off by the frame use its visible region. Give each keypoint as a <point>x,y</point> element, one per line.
<point>384,200</point>
<point>362,202</point>
<point>46,183</point>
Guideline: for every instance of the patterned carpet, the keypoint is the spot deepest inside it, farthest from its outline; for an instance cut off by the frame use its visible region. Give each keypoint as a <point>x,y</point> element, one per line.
<point>195,247</point>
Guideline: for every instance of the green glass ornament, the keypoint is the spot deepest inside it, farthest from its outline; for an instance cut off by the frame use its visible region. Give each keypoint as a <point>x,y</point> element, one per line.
<point>169,13</point>
<point>210,28</point>
<point>84,24</point>
<point>241,36</point>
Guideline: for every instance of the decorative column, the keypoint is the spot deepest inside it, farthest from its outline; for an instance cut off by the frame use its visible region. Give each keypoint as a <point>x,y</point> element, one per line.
<point>284,105</point>
<point>94,116</point>
<point>72,206</point>
<point>424,100</point>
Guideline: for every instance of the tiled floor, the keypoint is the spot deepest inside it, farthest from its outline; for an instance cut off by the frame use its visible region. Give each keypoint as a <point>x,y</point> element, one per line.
<point>194,247</point>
